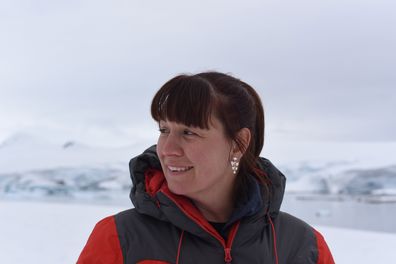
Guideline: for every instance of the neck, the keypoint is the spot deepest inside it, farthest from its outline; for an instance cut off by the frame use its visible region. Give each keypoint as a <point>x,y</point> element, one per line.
<point>216,209</point>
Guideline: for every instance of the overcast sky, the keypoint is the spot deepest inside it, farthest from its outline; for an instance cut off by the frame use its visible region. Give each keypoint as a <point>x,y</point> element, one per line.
<point>88,69</point>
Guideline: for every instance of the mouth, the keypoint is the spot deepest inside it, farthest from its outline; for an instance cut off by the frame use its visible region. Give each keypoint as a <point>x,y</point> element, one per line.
<point>179,169</point>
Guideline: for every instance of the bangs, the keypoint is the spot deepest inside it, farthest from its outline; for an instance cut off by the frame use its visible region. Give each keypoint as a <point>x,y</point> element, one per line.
<point>188,100</point>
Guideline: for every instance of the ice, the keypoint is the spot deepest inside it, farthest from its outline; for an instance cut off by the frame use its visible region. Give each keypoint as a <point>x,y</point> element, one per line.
<point>333,168</point>
<point>33,166</point>
<point>84,183</point>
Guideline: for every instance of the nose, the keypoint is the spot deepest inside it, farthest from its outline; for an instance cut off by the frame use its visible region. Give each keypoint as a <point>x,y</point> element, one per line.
<point>169,145</point>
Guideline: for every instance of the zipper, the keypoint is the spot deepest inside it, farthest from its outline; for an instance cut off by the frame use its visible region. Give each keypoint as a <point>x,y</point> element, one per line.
<point>225,244</point>
<point>230,240</point>
<point>227,257</point>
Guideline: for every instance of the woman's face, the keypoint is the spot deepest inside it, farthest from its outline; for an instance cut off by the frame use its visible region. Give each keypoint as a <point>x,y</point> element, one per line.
<point>195,161</point>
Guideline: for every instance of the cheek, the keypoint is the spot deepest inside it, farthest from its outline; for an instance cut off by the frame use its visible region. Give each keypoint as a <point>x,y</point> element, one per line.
<point>213,160</point>
<point>159,146</point>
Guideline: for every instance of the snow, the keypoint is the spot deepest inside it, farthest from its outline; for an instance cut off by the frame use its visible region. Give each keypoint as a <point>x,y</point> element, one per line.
<point>34,166</point>
<point>25,152</point>
<point>52,192</point>
<point>352,168</point>
<point>355,246</point>
<point>47,233</point>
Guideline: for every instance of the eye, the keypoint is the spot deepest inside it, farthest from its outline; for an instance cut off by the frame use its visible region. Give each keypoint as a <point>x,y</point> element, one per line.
<point>189,133</point>
<point>163,130</point>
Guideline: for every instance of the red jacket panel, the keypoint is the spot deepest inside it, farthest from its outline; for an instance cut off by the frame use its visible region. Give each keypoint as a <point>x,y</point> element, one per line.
<point>103,245</point>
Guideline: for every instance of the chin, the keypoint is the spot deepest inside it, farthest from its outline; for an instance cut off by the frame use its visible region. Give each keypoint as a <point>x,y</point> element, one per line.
<point>177,189</point>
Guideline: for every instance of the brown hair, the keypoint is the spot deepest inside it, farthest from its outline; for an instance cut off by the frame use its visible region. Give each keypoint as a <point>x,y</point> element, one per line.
<point>192,99</point>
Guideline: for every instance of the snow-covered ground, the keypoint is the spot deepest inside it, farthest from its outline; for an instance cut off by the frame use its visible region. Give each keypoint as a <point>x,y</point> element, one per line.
<point>48,233</point>
<point>53,191</point>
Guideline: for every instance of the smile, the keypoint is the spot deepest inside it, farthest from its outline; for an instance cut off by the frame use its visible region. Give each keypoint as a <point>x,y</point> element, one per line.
<point>179,169</point>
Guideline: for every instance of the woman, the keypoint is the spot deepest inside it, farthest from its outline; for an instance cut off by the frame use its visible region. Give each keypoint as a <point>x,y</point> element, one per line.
<point>203,194</point>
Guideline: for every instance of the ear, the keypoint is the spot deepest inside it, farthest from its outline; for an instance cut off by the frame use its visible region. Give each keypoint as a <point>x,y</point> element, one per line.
<point>244,136</point>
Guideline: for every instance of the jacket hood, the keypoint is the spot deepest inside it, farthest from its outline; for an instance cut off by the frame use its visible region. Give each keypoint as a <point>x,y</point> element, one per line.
<point>145,186</point>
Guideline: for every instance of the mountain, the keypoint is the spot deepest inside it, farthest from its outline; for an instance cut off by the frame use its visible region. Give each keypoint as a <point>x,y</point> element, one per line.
<point>25,152</point>
<point>36,167</point>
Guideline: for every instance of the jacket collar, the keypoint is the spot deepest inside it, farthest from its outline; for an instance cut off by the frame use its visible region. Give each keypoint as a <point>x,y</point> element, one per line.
<point>149,185</point>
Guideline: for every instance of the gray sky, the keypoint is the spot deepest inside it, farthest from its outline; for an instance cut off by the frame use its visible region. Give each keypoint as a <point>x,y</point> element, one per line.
<point>324,69</point>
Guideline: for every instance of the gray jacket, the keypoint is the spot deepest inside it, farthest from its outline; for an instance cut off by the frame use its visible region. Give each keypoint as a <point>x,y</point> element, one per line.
<point>167,228</point>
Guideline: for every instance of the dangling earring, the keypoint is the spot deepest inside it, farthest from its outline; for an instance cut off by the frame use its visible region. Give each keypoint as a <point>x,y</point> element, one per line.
<point>234,165</point>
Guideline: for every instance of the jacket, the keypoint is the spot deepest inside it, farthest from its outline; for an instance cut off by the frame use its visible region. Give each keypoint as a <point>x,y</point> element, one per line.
<point>167,228</point>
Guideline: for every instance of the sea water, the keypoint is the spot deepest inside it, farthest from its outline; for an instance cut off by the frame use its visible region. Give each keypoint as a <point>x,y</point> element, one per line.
<point>338,211</point>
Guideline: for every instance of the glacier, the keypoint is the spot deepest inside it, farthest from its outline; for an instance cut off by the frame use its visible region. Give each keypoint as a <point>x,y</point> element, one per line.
<point>34,167</point>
